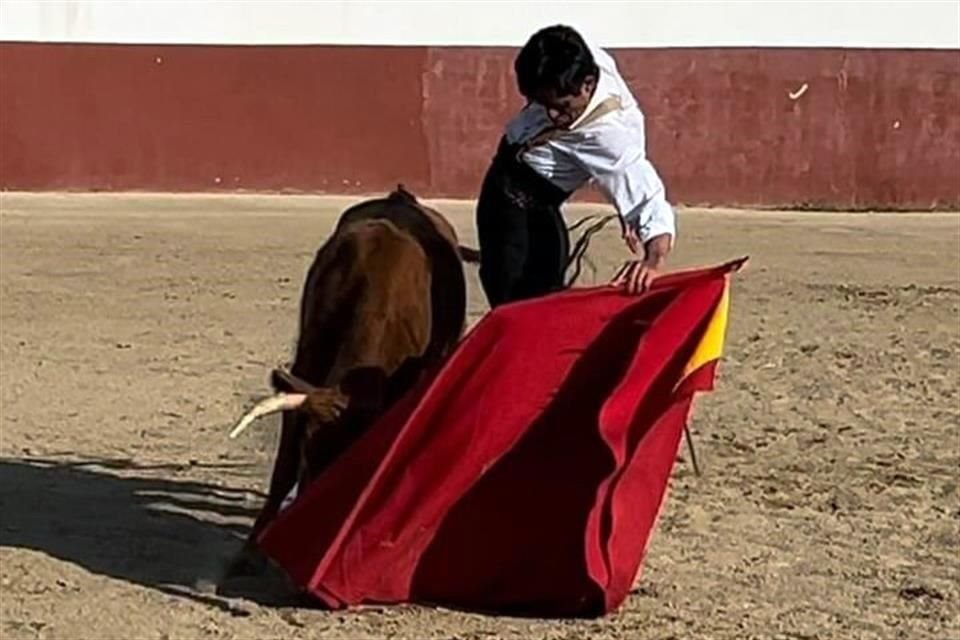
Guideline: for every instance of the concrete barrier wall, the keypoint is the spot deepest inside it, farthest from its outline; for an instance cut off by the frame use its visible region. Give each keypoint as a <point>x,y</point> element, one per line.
<point>743,107</point>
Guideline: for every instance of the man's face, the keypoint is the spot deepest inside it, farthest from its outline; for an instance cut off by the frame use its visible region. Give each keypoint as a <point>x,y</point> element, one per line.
<point>564,110</point>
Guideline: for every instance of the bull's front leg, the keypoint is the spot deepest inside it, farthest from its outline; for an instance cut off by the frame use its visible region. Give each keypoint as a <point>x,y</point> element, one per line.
<point>249,560</point>
<point>303,415</point>
<point>312,436</point>
<point>285,471</point>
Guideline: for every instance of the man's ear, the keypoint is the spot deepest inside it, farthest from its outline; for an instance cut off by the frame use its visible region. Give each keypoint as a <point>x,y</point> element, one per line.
<point>285,382</point>
<point>589,84</point>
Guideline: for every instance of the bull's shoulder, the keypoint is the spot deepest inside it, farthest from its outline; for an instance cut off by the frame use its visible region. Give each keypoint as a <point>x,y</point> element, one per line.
<point>437,219</point>
<point>362,256</point>
<point>379,240</point>
<point>370,229</point>
<point>429,226</point>
<point>354,243</point>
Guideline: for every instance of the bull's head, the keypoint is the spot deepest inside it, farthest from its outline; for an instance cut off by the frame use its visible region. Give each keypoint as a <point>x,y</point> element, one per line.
<point>361,389</point>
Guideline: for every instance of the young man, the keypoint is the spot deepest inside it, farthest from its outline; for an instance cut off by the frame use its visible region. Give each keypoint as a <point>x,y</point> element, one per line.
<point>581,124</point>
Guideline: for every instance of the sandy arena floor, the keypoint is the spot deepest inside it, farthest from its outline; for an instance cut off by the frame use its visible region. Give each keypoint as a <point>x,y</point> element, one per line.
<point>135,329</point>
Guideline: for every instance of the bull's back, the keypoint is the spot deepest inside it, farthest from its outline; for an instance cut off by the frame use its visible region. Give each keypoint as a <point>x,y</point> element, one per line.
<point>439,241</point>
<point>366,303</point>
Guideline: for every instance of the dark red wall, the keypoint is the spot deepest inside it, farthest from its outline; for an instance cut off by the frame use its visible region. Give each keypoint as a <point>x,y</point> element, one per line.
<point>875,129</point>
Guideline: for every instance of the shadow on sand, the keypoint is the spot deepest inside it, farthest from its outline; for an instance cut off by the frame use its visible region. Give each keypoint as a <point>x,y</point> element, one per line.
<point>127,521</point>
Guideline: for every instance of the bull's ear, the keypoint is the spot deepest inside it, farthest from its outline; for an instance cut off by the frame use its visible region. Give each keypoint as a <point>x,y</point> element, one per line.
<point>285,382</point>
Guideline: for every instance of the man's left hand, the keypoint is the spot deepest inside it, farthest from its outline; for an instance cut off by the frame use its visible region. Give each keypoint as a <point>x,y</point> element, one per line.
<point>637,276</point>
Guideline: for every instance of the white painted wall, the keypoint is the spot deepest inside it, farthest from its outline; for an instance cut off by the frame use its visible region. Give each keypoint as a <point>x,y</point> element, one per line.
<point>623,23</point>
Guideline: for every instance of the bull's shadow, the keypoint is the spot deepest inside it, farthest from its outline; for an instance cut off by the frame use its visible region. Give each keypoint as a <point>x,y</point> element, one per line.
<point>162,533</point>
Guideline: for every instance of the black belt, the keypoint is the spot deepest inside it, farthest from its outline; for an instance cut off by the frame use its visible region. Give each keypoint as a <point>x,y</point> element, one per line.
<point>520,183</point>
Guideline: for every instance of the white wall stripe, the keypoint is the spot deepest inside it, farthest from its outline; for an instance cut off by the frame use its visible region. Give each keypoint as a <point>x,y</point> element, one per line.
<point>624,23</point>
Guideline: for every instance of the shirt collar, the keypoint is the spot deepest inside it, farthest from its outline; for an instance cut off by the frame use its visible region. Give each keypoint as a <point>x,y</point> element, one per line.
<point>606,88</point>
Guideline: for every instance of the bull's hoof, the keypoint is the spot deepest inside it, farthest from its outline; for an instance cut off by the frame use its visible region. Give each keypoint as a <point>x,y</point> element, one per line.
<point>247,563</point>
<point>251,576</point>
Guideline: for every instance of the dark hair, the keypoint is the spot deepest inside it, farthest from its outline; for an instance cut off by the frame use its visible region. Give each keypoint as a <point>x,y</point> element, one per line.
<point>555,59</point>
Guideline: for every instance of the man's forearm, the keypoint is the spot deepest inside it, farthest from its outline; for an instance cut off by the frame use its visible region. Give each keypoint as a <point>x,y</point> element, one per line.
<point>657,249</point>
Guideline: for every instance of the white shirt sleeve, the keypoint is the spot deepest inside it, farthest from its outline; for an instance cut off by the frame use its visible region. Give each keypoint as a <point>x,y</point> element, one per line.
<point>618,165</point>
<point>530,121</point>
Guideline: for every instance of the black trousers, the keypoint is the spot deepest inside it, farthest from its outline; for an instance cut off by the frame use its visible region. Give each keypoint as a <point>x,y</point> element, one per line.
<point>524,244</point>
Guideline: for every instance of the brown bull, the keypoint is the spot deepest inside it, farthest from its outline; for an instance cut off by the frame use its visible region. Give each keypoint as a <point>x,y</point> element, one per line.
<point>384,299</point>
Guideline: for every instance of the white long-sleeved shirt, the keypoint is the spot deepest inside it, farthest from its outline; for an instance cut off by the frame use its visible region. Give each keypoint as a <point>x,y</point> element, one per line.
<point>609,150</point>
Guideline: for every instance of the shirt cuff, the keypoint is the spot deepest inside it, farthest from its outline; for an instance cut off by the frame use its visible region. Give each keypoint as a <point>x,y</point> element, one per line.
<point>658,221</point>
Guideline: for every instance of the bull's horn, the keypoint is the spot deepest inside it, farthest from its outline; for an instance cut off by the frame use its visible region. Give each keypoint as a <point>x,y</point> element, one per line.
<point>273,404</point>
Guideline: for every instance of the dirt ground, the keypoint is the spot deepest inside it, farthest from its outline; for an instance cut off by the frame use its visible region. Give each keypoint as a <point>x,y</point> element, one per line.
<point>135,329</point>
